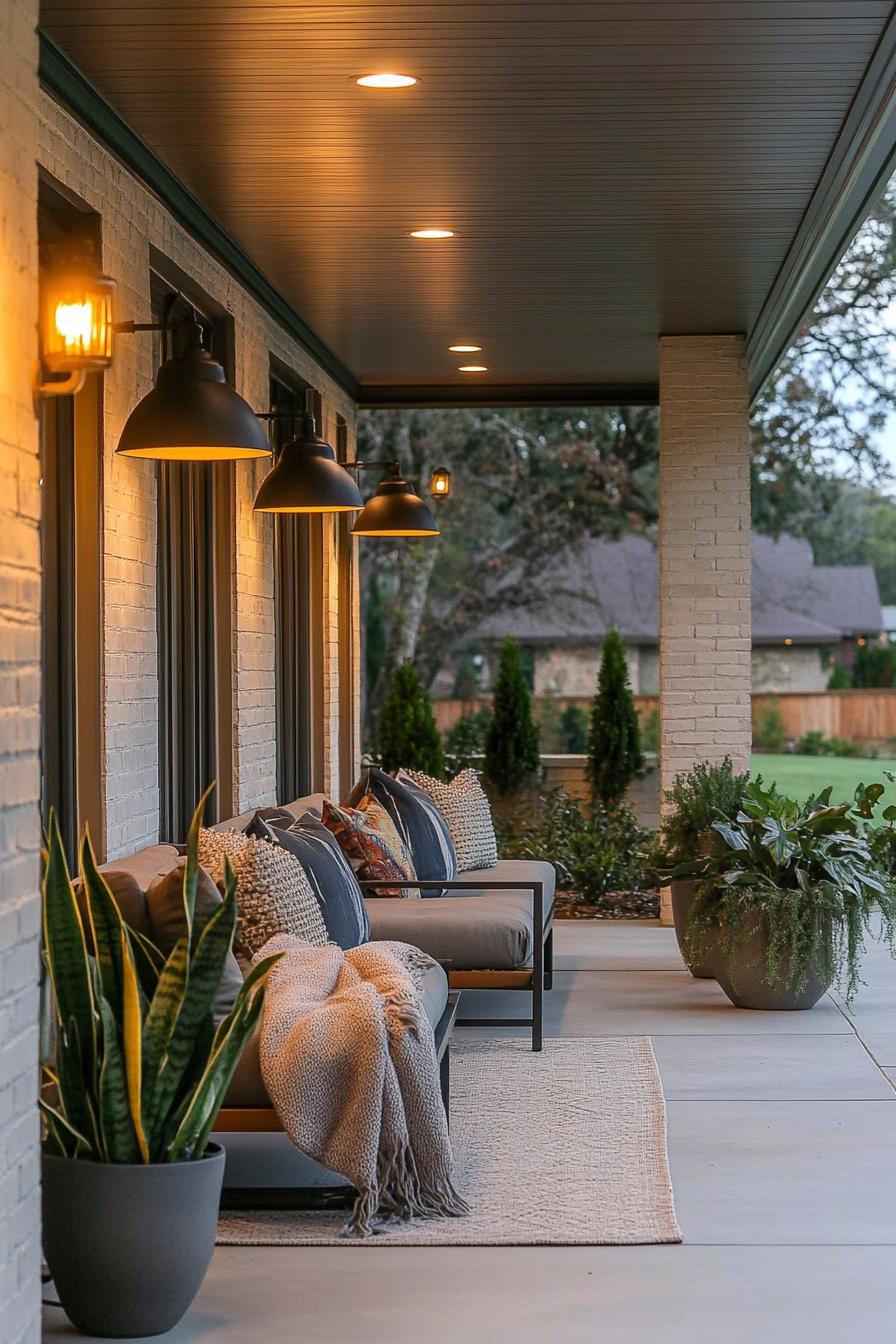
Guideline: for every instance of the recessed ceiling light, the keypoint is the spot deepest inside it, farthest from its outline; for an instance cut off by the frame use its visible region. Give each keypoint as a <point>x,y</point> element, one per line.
<point>464,349</point>
<point>473,368</point>
<point>386,79</point>
<point>432,233</point>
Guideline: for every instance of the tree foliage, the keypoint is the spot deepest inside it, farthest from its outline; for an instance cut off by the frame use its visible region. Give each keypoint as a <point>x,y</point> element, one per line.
<point>511,743</point>
<point>614,741</point>
<point>409,737</point>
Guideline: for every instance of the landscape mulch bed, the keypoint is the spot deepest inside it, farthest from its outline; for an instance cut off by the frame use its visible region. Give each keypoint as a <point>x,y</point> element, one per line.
<point>614,905</point>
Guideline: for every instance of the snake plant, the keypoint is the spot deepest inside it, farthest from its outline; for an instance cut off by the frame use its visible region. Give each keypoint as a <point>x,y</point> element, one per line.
<point>138,1071</point>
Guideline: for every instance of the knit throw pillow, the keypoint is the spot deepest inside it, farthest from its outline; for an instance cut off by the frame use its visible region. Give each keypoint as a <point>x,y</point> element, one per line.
<point>371,843</point>
<point>272,890</point>
<point>466,809</point>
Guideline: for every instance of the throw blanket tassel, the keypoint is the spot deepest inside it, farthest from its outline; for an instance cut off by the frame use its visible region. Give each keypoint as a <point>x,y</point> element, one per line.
<point>348,1059</point>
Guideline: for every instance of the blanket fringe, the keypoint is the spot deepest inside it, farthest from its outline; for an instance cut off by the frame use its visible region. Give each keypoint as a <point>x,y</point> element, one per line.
<point>399,1195</point>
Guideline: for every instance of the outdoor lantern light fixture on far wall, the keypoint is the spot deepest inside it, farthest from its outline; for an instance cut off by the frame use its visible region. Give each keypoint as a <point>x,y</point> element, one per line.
<point>75,322</point>
<point>192,414</point>
<point>440,483</point>
<point>306,478</point>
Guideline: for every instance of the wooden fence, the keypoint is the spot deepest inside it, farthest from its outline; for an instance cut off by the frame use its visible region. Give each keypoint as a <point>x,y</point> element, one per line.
<point>859,716</point>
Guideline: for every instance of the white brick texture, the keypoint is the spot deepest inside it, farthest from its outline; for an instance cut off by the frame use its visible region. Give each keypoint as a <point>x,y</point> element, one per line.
<point>704,553</point>
<point>133,220</point>
<point>19,680</point>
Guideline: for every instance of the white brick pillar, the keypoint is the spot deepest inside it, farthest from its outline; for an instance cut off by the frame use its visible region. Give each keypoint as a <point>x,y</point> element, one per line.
<point>19,681</point>
<point>704,554</point>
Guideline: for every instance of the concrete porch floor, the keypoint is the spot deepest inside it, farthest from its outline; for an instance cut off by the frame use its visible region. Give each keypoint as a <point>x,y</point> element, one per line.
<point>781,1143</point>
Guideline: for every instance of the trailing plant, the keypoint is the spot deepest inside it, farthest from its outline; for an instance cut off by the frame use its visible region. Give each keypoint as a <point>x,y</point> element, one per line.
<point>804,873</point>
<point>409,736</point>
<point>511,743</point>
<point>883,838</point>
<point>614,740</point>
<point>465,741</point>
<point>138,1072</point>
<point>698,797</point>
<point>597,851</point>
<point>768,729</point>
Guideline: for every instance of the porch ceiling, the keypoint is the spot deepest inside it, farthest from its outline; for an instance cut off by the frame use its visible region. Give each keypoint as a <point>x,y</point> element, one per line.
<point>614,171</point>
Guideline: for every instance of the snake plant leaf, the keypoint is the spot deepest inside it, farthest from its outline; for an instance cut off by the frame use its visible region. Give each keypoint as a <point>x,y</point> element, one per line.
<point>161,1020</point>
<point>66,948</point>
<point>105,926</point>
<point>76,1086</point>
<point>132,1020</point>
<point>204,976</point>
<point>59,1127</point>
<point>191,867</point>
<point>148,960</point>
<point>119,1138</point>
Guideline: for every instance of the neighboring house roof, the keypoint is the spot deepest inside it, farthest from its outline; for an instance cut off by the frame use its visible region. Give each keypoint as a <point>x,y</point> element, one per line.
<point>616,583</point>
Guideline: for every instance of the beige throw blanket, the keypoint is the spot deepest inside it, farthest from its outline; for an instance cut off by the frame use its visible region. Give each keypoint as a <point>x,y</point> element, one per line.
<point>348,1059</point>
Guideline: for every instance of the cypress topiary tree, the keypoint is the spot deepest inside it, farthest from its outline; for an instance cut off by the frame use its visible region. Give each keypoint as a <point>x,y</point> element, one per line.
<point>409,737</point>
<point>511,744</point>
<point>614,742</point>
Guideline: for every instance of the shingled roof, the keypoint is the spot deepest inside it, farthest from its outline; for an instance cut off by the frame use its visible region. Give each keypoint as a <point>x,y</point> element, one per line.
<point>615,583</point>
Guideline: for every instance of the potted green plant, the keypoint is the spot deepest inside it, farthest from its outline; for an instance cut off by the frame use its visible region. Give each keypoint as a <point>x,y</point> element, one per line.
<point>788,900</point>
<point>131,1185</point>
<point>699,797</point>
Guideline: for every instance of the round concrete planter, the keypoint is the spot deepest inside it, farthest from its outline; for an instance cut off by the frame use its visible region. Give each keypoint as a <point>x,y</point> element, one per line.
<point>683,890</point>
<point>743,980</point>
<point>128,1246</point>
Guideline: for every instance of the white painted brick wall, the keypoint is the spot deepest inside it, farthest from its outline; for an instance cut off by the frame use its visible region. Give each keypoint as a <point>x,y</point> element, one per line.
<point>132,221</point>
<point>19,680</point>
<point>704,553</point>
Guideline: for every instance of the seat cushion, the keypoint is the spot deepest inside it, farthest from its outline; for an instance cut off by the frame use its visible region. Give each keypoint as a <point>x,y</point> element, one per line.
<point>477,930</point>
<point>246,1087</point>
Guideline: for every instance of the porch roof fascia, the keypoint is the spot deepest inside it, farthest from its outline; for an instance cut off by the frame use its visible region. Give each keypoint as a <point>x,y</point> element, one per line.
<point>860,162</point>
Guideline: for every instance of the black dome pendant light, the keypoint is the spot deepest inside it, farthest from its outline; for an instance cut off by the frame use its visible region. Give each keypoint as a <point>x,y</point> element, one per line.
<point>306,478</point>
<point>192,414</point>
<point>394,510</point>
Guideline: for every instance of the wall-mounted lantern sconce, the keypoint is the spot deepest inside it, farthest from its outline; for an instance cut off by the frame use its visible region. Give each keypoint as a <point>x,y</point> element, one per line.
<point>394,510</point>
<point>306,477</point>
<point>76,323</point>
<point>192,414</point>
<point>440,483</point>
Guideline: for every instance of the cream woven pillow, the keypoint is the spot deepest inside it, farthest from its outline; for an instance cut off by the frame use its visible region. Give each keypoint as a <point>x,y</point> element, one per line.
<point>466,809</point>
<point>272,889</point>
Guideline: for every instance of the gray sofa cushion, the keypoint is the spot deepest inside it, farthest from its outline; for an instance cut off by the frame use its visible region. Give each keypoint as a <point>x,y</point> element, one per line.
<point>146,865</point>
<point>246,1087</point>
<point>168,923</point>
<point>476,930</point>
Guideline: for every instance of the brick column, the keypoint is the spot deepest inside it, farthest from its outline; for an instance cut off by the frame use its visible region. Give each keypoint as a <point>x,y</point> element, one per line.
<point>704,554</point>
<point>19,681</point>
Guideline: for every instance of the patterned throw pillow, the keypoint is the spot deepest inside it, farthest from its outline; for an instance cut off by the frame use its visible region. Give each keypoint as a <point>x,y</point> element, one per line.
<point>466,809</point>
<point>418,821</point>
<point>272,890</point>
<point>327,869</point>
<point>371,843</point>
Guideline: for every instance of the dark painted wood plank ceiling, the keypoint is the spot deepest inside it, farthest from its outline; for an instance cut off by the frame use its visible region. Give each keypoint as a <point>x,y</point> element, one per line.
<point>613,170</point>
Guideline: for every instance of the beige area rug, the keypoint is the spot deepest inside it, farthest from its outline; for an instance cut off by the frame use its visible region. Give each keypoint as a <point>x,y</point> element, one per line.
<point>566,1147</point>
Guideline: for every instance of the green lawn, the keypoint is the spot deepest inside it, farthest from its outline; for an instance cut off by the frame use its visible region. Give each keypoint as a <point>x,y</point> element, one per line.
<point>800,776</point>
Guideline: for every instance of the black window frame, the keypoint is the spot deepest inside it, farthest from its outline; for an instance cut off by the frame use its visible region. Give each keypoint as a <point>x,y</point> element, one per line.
<point>194,589</point>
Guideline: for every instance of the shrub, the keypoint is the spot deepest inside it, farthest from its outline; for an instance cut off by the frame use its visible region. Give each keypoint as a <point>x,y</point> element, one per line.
<point>409,738</point>
<point>815,743</point>
<point>511,743</point>
<point>697,798</point>
<point>768,730</point>
<point>839,680</point>
<point>597,851</point>
<point>465,741</point>
<point>875,665</point>
<point>574,726</point>
<point>614,741</point>
<point>650,729</point>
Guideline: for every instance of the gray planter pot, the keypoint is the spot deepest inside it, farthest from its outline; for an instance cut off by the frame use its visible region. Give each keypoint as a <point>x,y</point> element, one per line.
<point>683,891</point>
<point>128,1246</point>
<point>743,980</point>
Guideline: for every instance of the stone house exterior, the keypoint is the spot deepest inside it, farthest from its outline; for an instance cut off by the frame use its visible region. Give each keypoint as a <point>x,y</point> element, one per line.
<point>804,617</point>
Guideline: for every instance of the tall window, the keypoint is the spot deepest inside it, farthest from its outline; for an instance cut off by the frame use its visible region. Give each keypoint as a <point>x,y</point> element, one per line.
<point>298,614</point>
<point>71,595</point>
<point>345,557</point>
<point>195,511</point>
